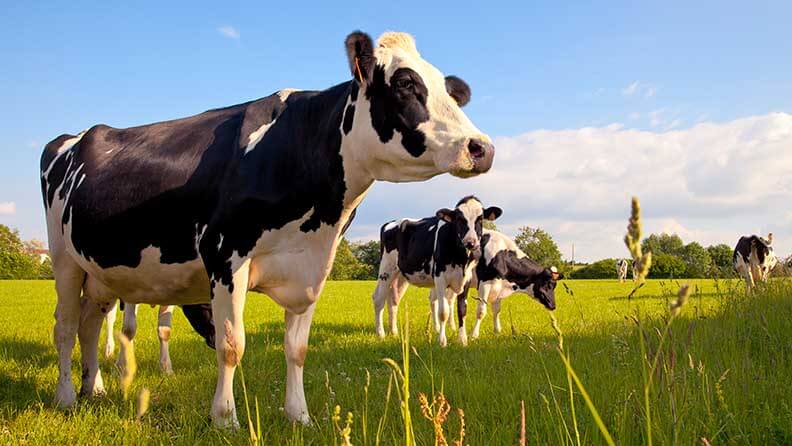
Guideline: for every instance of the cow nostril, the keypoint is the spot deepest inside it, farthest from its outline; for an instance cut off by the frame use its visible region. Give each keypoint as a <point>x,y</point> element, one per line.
<point>477,148</point>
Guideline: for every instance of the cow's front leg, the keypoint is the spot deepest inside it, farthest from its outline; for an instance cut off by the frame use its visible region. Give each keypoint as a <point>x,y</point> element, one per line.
<point>298,327</point>
<point>434,308</point>
<point>164,321</point>
<point>461,313</point>
<point>68,284</point>
<point>444,297</point>
<point>91,318</point>
<point>228,303</point>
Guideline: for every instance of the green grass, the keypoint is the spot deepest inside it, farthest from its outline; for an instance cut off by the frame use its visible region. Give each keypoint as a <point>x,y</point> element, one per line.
<point>724,373</point>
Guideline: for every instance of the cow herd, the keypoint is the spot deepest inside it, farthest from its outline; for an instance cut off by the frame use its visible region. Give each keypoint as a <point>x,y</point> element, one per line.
<point>256,196</point>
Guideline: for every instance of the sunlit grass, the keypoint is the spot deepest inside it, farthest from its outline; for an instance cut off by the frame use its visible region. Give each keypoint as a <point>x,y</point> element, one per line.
<point>723,371</point>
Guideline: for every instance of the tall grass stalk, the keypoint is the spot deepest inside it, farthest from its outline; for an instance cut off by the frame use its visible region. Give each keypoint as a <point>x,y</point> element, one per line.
<point>401,375</point>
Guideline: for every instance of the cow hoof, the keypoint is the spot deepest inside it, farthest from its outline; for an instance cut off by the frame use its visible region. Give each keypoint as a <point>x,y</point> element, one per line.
<point>166,368</point>
<point>109,350</point>
<point>443,342</point>
<point>227,420</point>
<point>381,333</point>
<point>65,397</point>
<point>463,336</point>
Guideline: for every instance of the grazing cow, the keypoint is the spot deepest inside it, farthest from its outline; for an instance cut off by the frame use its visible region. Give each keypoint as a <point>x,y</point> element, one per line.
<point>129,328</point>
<point>437,252</point>
<point>253,196</point>
<point>753,259</point>
<point>504,269</point>
<point>621,269</point>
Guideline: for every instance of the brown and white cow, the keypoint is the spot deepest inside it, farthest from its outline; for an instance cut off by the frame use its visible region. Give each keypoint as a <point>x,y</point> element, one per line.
<point>254,196</point>
<point>753,259</point>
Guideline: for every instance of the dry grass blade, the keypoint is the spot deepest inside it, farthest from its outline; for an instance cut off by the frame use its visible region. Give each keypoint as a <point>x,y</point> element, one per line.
<point>522,423</point>
<point>127,350</point>
<point>461,440</point>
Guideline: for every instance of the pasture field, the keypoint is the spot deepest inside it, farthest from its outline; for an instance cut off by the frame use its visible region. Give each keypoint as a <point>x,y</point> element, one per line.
<point>724,373</point>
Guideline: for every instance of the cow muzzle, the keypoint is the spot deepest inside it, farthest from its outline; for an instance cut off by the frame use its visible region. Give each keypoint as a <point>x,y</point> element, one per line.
<point>481,153</point>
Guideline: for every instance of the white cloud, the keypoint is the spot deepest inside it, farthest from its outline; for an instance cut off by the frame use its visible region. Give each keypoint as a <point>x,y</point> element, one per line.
<point>637,88</point>
<point>7,208</point>
<point>712,183</point>
<point>229,31</point>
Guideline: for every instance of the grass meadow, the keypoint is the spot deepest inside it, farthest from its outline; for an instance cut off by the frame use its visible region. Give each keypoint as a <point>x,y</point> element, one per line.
<point>723,372</point>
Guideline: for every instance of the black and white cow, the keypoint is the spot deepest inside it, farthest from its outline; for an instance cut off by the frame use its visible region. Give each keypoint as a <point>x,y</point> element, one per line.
<point>129,329</point>
<point>621,269</point>
<point>502,270</point>
<point>753,259</point>
<point>253,196</point>
<point>437,252</point>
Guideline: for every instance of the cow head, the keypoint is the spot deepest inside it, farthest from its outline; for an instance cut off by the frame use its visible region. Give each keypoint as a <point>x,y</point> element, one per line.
<point>408,116</point>
<point>468,220</point>
<point>542,287</point>
<point>767,258</point>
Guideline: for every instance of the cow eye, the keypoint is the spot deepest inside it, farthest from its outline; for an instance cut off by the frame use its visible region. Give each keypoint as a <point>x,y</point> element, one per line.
<point>404,83</point>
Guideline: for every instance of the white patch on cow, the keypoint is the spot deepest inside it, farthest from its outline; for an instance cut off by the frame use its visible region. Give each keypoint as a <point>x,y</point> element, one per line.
<point>69,143</point>
<point>80,182</point>
<point>284,93</point>
<point>472,211</point>
<point>256,136</point>
<point>220,243</point>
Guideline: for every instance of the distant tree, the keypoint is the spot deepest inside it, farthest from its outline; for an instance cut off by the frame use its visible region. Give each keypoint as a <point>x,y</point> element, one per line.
<point>15,263</point>
<point>369,255</point>
<point>666,266</point>
<point>538,245</point>
<point>34,245</point>
<point>9,240</point>
<point>721,256</point>
<point>489,224</point>
<point>346,266</point>
<point>663,244</point>
<point>601,269</point>
<point>45,270</point>
<point>698,262</point>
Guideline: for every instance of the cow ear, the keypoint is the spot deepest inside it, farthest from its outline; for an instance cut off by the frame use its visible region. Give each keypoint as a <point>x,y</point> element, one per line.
<point>458,89</point>
<point>492,213</point>
<point>360,52</point>
<point>445,214</point>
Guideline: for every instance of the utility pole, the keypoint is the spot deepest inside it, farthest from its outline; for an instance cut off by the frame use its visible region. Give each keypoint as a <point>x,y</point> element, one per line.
<point>573,253</point>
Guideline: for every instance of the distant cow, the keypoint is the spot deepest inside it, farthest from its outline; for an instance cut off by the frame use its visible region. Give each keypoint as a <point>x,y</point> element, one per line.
<point>438,252</point>
<point>753,259</point>
<point>504,269</point>
<point>621,269</point>
<point>254,196</point>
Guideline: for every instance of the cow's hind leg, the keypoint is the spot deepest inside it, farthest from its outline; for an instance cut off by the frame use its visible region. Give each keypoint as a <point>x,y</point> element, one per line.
<point>92,316</point>
<point>110,319</point>
<point>496,307</point>
<point>380,297</point>
<point>129,329</point>
<point>481,308</point>
<point>397,289</point>
<point>298,327</point>
<point>69,280</point>
<point>164,321</point>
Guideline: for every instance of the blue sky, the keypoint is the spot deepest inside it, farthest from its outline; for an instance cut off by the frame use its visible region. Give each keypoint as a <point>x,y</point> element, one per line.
<point>636,73</point>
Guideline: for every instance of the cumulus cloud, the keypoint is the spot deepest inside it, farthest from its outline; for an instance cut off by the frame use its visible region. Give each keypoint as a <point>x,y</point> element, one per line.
<point>7,208</point>
<point>229,31</point>
<point>711,182</point>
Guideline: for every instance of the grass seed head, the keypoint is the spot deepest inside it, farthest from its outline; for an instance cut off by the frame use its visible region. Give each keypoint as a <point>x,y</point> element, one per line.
<point>143,402</point>
<point>127,350</point>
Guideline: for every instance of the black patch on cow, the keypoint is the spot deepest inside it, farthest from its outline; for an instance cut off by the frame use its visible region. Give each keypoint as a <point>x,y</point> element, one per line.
<point>746,244</point>
<point>161,184</point>
<point>399,106</point>
<point>200,317</point>
<point>349,116</point>
<point>458,89</point>
<point>462,304</point>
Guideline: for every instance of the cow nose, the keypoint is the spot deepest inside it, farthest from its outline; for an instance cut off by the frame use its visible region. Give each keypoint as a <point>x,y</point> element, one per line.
<point>482,154</point>
<point>470,245</point>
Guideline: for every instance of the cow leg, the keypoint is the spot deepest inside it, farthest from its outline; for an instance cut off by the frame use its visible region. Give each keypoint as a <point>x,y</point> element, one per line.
<point>228,304</point>
<point>129,329</point>
<point>68,285</point>
<point>461,313</point>
<point>379,297</point>
<point>481,308</point>
<point>496,307</point>
<point>443,296</point>
<point>298,327</point>
<point>451,306</point>
<point>110,319</point>
<point>397,289</point>
<point>163,333</point>
<point>91,319</point>
<point>434,306</point>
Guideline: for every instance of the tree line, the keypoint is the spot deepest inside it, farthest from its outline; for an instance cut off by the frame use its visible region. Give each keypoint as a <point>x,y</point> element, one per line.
<point>19,259</point>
